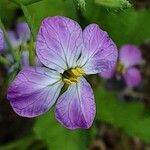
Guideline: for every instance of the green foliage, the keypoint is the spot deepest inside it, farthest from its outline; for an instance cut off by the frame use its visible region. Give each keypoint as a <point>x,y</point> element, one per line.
<point>58,137</point>
<point>114,3</point>
<point>124,26</point>
<point>7,9</point>
<point>131,117</point>
<point>128,26</point>
<point>25,2</point>
<point>46,8</point>
<point>80,3</point>
<point>22,144</point>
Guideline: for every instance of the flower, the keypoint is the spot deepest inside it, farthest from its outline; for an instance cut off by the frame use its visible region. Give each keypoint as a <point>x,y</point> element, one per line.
<point>68,54</point>
<point>21,36</point>
<point>129,57</point>
<point>19,40</point>
<point>1,41</point>
<point>23,31</point>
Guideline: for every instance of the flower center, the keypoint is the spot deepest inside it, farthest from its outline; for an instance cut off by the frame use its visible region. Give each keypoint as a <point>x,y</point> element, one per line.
<point>121,68</point>
<point>71,76</point>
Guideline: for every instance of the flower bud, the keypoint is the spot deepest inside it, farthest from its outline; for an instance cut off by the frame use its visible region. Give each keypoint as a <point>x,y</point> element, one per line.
<point>114,3</point>
<point>80,3</point>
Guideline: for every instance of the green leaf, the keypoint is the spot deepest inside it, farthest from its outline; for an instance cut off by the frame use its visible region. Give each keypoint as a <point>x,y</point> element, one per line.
<point>128,26</point>
<point>25,2</point>
<point>4,61</point>
<point>114,3</point>
<point>46,8</point>
<point>58,137</point>
<point>131,117</point>
<point>29,20</point>
<point>7,9</point>
<point>28,2</point>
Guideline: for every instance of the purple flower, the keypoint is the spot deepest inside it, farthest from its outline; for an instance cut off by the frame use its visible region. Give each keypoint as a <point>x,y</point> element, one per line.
<point>68,54</point>
<point>20,36</point>
<point>17,39</point>
<point>129,56</point>
<point>25,60</point>
<point>23,31</point>
<point>14,40</point>
<point>1,41</point>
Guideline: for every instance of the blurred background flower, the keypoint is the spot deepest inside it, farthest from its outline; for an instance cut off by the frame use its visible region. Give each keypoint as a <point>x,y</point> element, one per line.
<point>129,57</point>
<point>123,101</point>
<point>1,41</point>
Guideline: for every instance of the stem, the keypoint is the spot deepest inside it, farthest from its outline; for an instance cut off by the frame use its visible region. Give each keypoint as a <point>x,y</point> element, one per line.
<point>28,19</point>
<point>31,53</point>
<point>86,136</point>
<point>7,40</point>
<point>4,61</point>
<point>80,3</point>
<point>79,12</point>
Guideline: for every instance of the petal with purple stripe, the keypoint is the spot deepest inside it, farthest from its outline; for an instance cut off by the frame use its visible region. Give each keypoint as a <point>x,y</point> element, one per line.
<point>100,52</point>
<point>132,77</point>
<point>34,91</point>
<point>59,43</point>
<point>75,108</point>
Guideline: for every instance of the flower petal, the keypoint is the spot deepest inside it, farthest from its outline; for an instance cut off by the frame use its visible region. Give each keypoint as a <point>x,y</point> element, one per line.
<point>23,31</point>
<point>59,43</point>
<point>1,41</point>
<point>100,52</point>
<point>34,91</point>
<point>129,55</point>
<point>25,59</point>
<point>132,77</point>
<point>108,74</point>
<point>15,42</point>
<point>76,107</point>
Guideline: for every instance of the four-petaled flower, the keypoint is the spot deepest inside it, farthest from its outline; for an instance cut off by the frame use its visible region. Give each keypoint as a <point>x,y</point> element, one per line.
<point>129,57</point>
<point>68,54</point>
<point>1,41</point>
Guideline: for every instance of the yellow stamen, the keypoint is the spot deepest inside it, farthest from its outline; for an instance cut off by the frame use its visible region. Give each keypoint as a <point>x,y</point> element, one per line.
<point>71,76</point>
<point>67,81</point>
<point>121,68</point>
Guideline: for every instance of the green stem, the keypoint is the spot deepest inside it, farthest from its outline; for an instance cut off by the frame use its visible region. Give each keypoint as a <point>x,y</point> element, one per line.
<point>31,53</point>
<point>79,11</point>
<point>7,40</point>
<point>4,61</point>
<point>28,19</point>
<point>80,4</point>
<point>86,136</point>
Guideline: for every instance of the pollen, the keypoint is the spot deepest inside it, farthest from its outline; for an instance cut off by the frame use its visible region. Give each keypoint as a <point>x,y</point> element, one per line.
<point>72,75</point>
<point>121,68</point>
